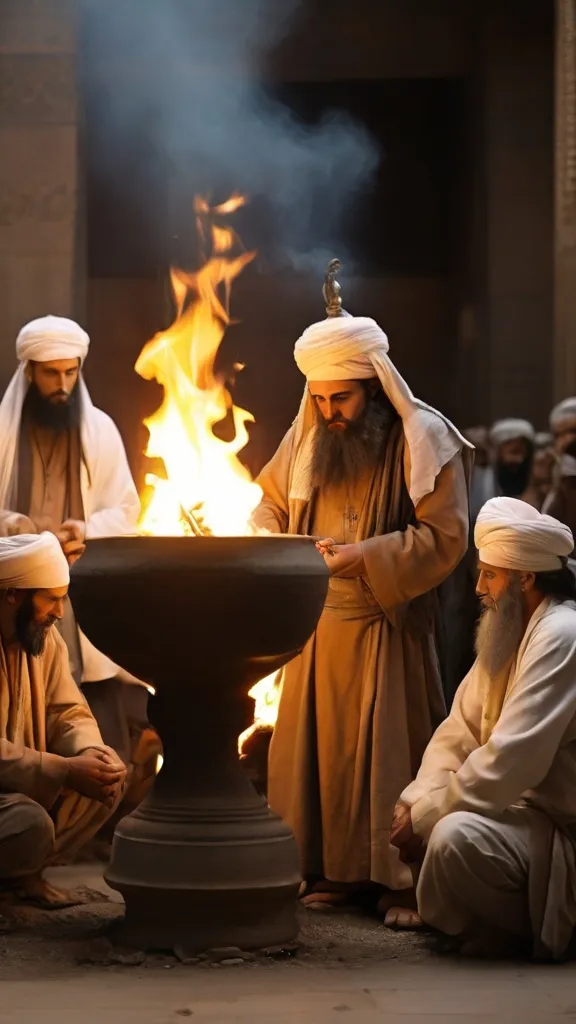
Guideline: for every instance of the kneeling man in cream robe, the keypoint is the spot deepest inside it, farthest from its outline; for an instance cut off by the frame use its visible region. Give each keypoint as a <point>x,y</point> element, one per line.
<point>58,781</point>
<point>494,802</point>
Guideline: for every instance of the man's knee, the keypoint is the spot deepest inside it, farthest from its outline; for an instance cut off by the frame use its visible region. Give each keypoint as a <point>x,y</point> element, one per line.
<point>453,833</point>
<point>26,838</point>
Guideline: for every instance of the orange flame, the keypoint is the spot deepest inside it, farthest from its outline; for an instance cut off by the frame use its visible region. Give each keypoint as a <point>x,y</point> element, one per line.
<point>206,489</point>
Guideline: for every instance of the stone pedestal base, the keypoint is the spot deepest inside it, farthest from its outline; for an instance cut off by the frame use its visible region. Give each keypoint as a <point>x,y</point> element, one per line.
<point>203,862</point>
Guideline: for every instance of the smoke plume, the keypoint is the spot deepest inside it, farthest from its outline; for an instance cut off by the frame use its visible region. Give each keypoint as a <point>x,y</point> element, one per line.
<point>183,82</point>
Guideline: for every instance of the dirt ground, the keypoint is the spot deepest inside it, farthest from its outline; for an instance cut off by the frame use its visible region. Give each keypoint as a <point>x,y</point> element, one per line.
<point>49,943</point>
<point>60,968</point>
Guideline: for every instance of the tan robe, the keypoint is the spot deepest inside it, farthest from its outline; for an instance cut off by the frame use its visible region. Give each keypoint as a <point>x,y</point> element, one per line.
<point>44,719</point>
<point>360,704</point>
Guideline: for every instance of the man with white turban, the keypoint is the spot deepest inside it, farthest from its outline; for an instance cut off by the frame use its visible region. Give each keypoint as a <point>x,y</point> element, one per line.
<point>563,424</point>
<point>494,802</point>
<point>512,443</point>
<point>379,478</point>
<point>58,780</point>
<point>63,468</point>
<point>561,501</point>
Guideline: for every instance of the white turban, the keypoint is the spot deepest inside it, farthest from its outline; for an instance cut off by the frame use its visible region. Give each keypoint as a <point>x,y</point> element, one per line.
<point>511,430</point>
<point>32,562</point>
<point>565,410</point>
<point>340,348</point>
<point>510,534</point>
<point>52,337</point>
<point>356,348</point>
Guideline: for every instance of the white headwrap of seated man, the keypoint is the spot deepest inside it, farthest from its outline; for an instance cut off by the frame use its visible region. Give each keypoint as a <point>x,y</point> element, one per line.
<point>356,348</point>
<point>511,430</point>
<point>510,534</point>
<point>32,562</point>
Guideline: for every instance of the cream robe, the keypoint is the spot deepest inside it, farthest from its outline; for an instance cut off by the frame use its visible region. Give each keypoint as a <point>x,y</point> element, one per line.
<point>43,719</point>
<point>111,509</point>
<point>513,742</point>
<point>360,703</point>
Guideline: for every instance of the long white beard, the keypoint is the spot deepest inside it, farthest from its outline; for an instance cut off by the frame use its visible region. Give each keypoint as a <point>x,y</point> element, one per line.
<point>500,630</point>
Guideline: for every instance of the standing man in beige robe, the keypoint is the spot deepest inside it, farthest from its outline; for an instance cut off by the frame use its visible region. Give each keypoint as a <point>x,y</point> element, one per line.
<point>494,803</point>
<point>63,468</point>
<point>58,781</point>
<point>380,480</point>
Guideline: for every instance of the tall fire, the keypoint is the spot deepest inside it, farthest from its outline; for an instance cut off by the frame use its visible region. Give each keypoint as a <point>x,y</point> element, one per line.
<point>206,489</point>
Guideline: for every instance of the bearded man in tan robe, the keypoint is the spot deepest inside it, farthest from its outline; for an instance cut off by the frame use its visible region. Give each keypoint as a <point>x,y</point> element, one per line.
<point>58,781</point>
<point>494,803</point>
<point>63,468</point>
<point>379,479</point>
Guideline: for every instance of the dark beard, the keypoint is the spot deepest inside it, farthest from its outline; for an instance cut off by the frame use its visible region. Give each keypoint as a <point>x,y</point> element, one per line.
<point>344,456</point>
<point>57,416</point>
<point>513,480</point>
<point>32,635</point>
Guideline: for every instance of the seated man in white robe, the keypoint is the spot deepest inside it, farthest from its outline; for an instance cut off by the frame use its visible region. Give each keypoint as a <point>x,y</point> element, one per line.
<point>58,781</point>
<point>494,802</point>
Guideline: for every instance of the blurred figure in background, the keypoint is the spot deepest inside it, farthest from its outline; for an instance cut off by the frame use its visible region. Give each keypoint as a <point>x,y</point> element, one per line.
<point>561,501</point>
<point>563,424</point>
<point>541,480</point>
<point>512,442</point>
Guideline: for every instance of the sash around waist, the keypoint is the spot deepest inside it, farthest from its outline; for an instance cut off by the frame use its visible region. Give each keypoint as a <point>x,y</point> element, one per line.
<point>352,598</point>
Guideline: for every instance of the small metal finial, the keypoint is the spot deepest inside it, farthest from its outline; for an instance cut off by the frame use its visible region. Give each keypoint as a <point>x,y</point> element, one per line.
<point>331,290</point>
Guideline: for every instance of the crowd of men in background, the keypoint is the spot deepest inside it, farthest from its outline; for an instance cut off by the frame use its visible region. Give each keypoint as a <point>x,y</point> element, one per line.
<point>513,460</point>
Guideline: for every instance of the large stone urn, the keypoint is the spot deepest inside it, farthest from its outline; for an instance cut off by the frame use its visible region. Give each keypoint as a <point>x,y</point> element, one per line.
<point>203,862</point>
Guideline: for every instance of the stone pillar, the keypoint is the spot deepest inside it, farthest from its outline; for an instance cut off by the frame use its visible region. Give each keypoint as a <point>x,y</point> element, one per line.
<point>565,224</point>
<point>38,166</point>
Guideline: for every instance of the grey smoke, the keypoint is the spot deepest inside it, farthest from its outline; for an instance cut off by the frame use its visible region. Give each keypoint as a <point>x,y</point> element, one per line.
<point>184,86</point>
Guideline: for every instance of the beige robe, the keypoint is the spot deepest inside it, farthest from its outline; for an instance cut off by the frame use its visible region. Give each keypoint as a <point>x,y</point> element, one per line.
<point>360,703</point>
<point>95,485</point>
<point>507,753</point>
<point>43,720</point>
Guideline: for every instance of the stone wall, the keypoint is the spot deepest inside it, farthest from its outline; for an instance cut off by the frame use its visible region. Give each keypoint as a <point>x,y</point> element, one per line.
<point>38,166</point>
<point>515,225</point>
<point>565,235</point>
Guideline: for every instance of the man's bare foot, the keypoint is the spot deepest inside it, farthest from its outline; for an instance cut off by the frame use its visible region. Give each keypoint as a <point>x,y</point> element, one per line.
<point>325,901</point>
<point>35,890</point>
<point>329,896</point>
<point>399,910</point>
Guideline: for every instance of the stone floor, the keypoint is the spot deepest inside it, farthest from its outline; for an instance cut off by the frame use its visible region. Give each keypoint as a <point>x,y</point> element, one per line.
<point>55,969</point>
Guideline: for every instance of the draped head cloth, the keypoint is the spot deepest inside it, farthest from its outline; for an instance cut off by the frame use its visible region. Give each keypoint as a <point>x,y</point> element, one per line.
<point>511,430</point>
<point>32,562</point>
<point>510,534</point>
<point>356,348</point>
<point>43,340</point>
<point>50,338</point>
<point>565,410</point>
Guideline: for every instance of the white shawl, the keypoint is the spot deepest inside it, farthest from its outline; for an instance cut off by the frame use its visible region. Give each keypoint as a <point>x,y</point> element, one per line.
<point>355,348</point>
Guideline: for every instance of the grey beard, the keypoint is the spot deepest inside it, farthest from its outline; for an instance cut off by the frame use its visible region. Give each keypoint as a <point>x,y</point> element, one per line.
<point>500,630</point>
<point>344,456</point>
